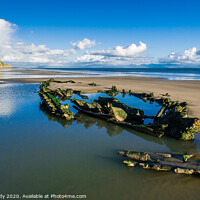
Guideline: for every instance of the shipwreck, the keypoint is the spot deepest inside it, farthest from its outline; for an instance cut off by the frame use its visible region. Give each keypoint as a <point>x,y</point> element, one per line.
<point>171,120</point>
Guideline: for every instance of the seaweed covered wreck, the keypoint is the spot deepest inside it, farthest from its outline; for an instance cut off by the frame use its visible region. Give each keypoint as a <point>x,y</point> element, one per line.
<point>171,120</point>
<point>178,163</point>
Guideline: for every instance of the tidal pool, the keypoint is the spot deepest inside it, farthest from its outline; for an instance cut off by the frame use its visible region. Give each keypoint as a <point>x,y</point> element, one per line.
<point>42,154</point>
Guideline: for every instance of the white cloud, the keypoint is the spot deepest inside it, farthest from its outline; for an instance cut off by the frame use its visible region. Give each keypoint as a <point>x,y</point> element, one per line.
<point>188,56</point>
<point>99,59</point>
<point>6,29</point>
<point>20,43</point>
<point>86,43</point>
<point>20,53</point>
<point>90,58</point>
<point>37,54</point>
<point>120,51</point>
<point>131,54</point>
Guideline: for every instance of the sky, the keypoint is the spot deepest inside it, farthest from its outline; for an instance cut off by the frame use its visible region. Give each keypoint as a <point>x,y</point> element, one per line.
<point>100,32</point>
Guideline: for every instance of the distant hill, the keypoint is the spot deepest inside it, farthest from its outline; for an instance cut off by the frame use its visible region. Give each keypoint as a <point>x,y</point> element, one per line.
<point>2,65</point>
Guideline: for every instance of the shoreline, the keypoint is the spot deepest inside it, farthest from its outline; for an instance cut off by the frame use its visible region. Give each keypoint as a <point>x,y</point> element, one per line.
<point>39,72</point>
<point>187,91</point>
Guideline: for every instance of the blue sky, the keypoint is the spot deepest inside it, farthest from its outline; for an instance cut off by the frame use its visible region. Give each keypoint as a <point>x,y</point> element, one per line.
<point>164,26</point>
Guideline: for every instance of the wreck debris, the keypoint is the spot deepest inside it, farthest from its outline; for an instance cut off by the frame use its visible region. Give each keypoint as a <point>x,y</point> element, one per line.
<point>184,171</point>
<point>113,91</point>
<point>171,120</point>
<point>156,167</point>
<point>186,157</point>
<point>84,96</point>
<point>130,163</point>
<point>54,105</point>
<point>179,124</point>
<point>101,115</point>
<point>132,113</point>
<point>49,99</point>
<point>166,94</point>
<point>92,84</point>
<point>165,155</point>
<point>113,112</point>
<point>119,114</point>
<point>77,92</point>
<point>138,156</point>
<point>175,115</point>
<point>161,162</point>
<point>160,112</point>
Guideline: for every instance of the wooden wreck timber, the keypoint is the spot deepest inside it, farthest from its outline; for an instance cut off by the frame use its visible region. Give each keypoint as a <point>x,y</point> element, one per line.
<point>49,99</point>
<point>171,120</point>
<point>163,162</point>
<point>53,104</point>
<point>132,113</point>
<point>174,114</point>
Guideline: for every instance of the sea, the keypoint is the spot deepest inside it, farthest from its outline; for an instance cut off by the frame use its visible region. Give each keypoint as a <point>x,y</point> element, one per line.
<point>167,73</point>
<point>174,73</point>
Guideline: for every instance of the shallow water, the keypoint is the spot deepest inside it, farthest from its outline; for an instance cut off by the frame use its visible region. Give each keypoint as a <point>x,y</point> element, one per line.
<point>44,154</point>
<point>160,71</point>
<point>169,73</point>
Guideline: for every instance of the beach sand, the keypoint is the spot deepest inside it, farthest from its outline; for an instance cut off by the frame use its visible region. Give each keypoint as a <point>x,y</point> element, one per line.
<point>178,90</point>
<point>39,72</point>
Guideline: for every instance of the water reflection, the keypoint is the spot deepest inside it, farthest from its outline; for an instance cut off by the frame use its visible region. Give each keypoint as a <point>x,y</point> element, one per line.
<point>84,119</point>
<point>14,94</point>
<point>7,104</point>
<point>175,146</point>
<point>111,129</point>
<point>63,122</point>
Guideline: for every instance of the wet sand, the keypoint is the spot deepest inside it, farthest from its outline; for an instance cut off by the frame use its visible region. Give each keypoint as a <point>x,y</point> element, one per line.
<point>178,90</point>
<point>36,72</point>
